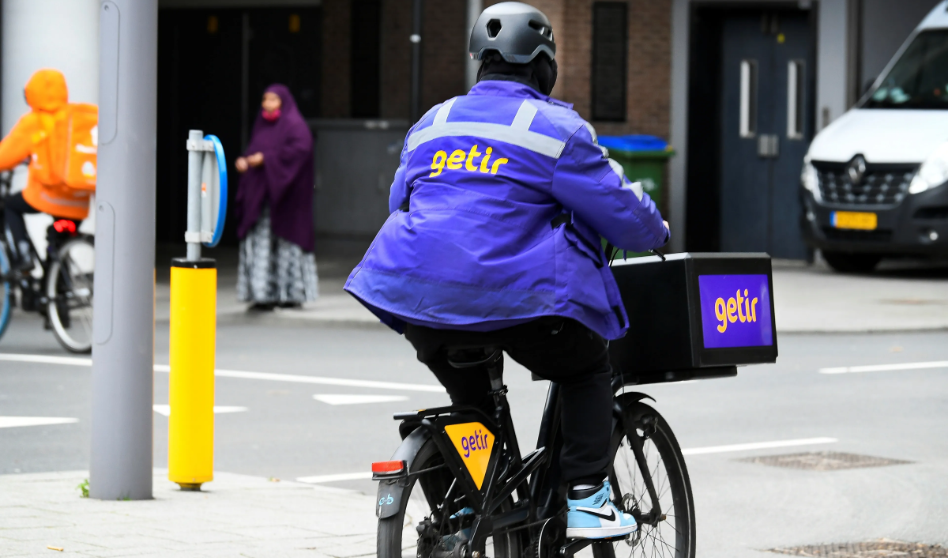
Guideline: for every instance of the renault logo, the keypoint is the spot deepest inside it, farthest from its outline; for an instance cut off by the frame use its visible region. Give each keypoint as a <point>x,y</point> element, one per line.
<point>856,169</point>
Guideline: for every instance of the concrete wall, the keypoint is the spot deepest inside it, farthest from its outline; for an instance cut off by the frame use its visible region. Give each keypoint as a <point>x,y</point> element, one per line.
<point>61,34</point>
<point>884,26</point>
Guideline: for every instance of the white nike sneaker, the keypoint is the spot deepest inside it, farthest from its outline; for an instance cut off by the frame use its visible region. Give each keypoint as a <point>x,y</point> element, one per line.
<point>596,517</point>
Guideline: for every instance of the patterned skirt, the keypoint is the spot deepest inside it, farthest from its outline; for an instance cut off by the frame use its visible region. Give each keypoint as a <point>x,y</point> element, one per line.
<point>272,270</point>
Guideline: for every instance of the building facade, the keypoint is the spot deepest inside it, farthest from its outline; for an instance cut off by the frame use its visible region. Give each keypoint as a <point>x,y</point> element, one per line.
<point>670,68</point>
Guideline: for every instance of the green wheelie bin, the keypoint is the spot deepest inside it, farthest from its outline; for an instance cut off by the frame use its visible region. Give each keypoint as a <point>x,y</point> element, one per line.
<point>643,159</point>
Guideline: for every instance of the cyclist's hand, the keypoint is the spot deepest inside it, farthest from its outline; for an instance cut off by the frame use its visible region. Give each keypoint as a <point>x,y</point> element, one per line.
<point>666,226</point>
<point>255,160</point>
<point>241,164</point>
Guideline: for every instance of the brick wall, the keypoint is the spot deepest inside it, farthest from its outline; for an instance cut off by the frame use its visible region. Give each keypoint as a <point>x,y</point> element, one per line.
<point>396,58</point>
<point>444,47</point>
<point>648,89</point>
<point>336,62</point>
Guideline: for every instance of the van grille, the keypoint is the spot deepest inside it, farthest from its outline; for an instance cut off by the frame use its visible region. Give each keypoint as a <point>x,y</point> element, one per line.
<point>880,185</point>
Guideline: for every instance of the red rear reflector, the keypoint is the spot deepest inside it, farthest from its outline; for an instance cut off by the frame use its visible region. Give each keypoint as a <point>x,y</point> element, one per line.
<point>388,466</point>
<point>65,225</point>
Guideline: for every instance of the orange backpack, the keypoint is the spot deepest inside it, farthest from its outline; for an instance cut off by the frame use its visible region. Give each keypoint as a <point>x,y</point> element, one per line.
<point>67,154</point>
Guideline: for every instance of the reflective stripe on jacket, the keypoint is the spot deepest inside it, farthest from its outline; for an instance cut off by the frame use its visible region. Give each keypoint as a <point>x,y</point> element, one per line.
<point>497,207</point>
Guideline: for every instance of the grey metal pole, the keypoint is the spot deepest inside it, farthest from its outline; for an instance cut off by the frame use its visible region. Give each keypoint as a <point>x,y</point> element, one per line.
<point>123,352</point>
<point>415,38</point>
<point>194,195</point>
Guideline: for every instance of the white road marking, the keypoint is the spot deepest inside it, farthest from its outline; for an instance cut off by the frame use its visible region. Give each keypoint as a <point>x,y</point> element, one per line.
<point>218,409</point>
<point>335,478</point>
<point>885,367</point>
<point>327,381</point>
<point>244,375</point>
<point>11,422</point>
<point>758,446</point>
<point>352,399</point>
<point>43,359</point>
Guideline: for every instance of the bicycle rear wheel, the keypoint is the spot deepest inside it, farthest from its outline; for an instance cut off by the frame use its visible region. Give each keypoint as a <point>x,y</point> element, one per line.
<point>423,526</point>
<point>6,290</point>
<point>672,534</point>
<point>69,283</point>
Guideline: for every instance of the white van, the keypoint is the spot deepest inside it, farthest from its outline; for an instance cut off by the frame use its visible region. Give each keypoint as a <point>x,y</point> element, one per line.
<point>875,181</point>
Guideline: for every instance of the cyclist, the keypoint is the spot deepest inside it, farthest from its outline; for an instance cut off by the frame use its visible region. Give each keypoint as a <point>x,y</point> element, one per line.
<point>46,94</point>
<point>497,207</point>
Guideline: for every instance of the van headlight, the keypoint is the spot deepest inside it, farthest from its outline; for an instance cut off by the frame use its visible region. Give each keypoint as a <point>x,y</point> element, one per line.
<point>933,172</point>
<point>810,180</point>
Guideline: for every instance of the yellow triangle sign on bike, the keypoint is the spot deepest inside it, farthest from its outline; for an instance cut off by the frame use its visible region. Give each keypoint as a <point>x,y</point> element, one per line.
<point>474,443</point>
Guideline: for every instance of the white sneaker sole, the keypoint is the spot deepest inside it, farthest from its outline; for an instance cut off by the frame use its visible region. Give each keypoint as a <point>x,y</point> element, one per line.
<point>600,532</point>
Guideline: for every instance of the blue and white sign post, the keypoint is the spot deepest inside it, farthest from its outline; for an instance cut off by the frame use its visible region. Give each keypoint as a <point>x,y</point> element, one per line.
<point>207,192</point>
<point>194,318</point>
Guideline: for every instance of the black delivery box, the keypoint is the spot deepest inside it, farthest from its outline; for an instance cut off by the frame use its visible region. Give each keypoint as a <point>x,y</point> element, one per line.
<point>694,316</point>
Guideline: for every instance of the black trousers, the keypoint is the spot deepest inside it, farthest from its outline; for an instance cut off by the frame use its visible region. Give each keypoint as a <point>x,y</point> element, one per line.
<point>15,207</point>
<point>557,349</point>
<point>13,210</point>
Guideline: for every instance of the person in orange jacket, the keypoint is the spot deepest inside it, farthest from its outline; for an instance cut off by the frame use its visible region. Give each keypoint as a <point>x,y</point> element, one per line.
<point>46,94</point>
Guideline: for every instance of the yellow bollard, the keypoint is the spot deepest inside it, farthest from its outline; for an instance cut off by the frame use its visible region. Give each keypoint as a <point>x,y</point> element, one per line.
<point>191,394</point>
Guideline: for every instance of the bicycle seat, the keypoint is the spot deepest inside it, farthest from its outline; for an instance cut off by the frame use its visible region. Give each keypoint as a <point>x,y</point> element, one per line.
<point>472,356</point>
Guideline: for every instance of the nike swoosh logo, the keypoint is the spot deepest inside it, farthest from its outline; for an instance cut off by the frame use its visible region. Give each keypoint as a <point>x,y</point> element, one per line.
<point>599,514</point>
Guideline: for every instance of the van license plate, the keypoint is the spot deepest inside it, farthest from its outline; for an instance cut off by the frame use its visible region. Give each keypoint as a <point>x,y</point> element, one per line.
<point>854,220</point>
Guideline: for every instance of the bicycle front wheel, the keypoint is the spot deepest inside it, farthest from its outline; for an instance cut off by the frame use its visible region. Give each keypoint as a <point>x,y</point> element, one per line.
<point>667,522</point>
<point>69,283</point>
<point>428,523</point>
<point>6,290</point>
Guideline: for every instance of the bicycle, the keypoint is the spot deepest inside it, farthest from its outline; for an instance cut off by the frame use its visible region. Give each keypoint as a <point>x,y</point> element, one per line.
<point>457,486</point>
<point>519,503</point>
<point>63,293</point>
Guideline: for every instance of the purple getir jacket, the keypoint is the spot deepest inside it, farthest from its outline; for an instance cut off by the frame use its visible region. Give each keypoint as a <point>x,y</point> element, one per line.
<point>496,211</point>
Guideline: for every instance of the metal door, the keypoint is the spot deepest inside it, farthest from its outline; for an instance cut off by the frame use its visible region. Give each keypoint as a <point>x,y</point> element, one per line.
<point>766,126</point>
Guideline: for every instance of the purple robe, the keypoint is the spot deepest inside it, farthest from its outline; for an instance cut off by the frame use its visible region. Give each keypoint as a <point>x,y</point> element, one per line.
<point>285,180</point>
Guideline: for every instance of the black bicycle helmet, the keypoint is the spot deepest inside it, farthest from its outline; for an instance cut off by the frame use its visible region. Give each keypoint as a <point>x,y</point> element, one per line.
<point>517,31</point>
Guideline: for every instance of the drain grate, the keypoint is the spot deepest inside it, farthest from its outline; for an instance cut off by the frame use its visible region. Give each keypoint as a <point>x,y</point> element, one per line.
<point>876,549</point>
<point>823,461</point>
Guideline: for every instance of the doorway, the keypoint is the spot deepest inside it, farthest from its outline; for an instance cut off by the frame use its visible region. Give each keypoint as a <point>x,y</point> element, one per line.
<point>751,119</point>
<point>213,65</point>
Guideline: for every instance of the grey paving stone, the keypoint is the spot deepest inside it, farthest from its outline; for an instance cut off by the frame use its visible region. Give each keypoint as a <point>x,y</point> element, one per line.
<point>236,516</point>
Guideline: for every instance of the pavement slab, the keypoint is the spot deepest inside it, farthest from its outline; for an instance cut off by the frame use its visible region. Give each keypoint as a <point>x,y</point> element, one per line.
<point>900,296</point>
<point>238,515</point>
<point>808,298</point>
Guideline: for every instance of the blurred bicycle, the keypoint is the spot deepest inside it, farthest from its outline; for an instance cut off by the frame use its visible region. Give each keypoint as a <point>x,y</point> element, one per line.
<point>62,293</point>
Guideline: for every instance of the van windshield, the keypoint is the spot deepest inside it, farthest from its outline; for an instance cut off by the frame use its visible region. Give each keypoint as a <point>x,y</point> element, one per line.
<point>919,79</point>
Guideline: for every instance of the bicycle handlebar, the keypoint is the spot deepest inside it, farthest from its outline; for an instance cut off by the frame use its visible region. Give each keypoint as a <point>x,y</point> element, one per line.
<point>6,179</point>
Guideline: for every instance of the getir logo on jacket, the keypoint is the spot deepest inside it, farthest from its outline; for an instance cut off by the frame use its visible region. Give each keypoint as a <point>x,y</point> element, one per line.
<point>466,160</point>
<point>474,444</point>
<point>735,311</point>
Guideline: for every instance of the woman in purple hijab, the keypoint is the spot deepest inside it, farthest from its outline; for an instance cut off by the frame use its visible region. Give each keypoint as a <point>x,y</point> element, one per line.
<point>274,208</point>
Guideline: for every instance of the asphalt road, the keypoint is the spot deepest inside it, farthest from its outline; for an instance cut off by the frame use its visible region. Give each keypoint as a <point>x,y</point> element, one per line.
<point>285,432</point>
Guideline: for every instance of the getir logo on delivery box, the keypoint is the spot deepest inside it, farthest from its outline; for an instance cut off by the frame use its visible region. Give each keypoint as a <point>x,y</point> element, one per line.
<point>475,444</point>
<point>735,311</point>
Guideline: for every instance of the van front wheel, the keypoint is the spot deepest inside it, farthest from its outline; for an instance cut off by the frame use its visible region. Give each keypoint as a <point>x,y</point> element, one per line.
<point>851,263</point>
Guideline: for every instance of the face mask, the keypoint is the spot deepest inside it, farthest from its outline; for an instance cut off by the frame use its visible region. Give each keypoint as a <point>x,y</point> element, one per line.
<point>271,115</point>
